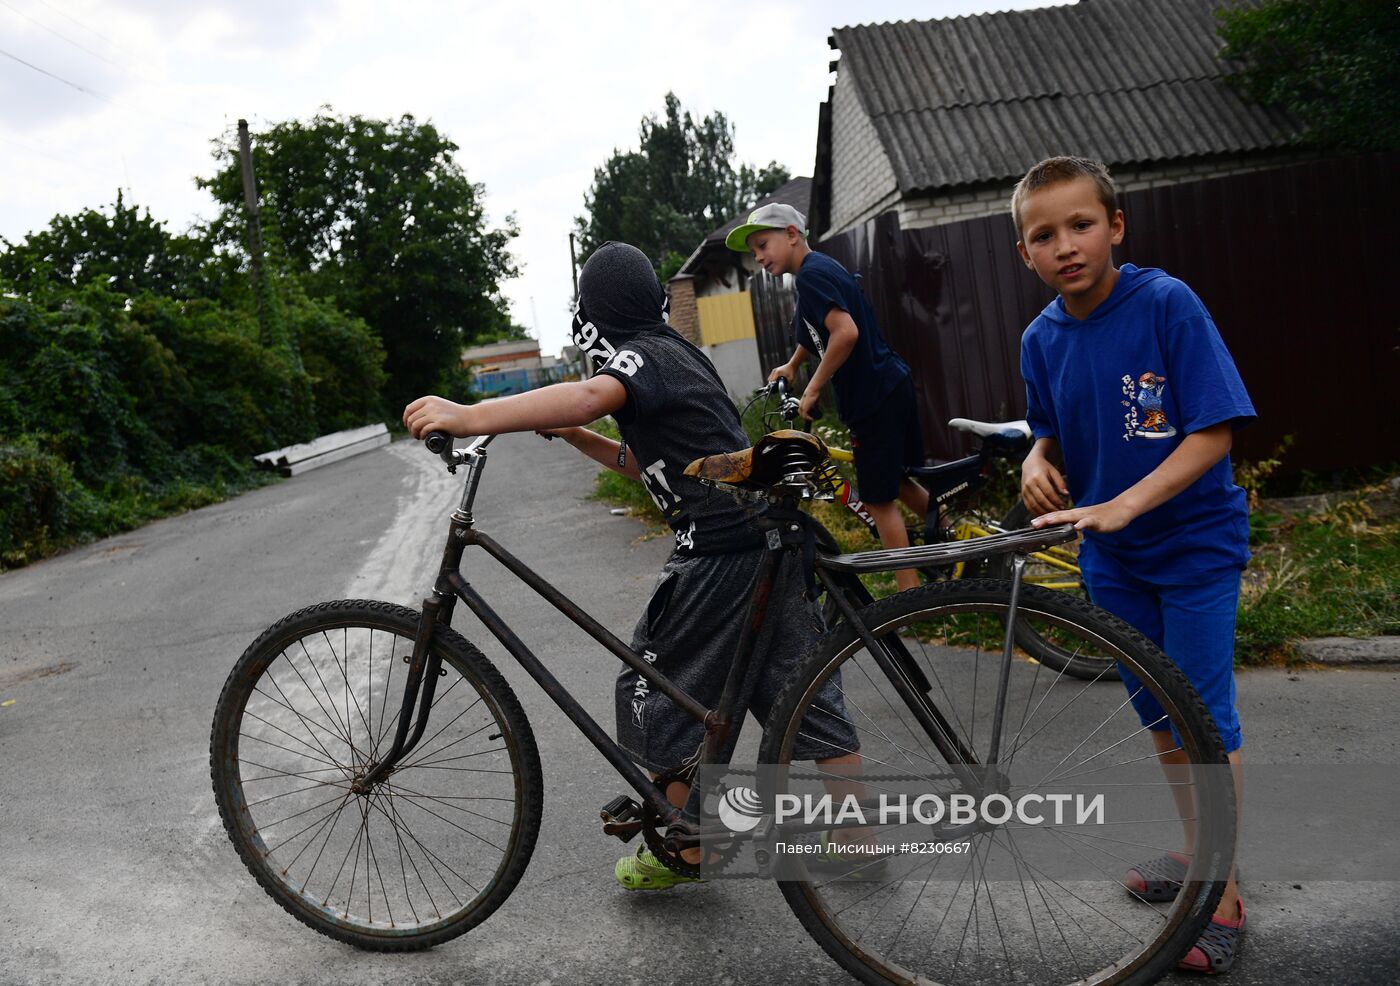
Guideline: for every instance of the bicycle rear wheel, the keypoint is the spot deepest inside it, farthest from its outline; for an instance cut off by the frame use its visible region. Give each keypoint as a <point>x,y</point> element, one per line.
<point>432,850</point>
<point>1021,903</point>
<point>1054,568</point>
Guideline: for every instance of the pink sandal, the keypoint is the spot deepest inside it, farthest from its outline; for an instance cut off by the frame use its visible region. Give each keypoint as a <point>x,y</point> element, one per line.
<point>1215,951</point>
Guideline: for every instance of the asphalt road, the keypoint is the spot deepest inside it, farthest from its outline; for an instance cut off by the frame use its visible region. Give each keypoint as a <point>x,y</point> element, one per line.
<point>114,867</point>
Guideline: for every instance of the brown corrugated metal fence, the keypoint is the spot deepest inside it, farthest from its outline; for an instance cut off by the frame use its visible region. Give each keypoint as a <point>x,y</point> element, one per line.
<point>1294,263</point>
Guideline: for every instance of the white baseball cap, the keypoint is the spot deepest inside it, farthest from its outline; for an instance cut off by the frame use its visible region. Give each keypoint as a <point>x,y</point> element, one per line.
<point>774,215</point>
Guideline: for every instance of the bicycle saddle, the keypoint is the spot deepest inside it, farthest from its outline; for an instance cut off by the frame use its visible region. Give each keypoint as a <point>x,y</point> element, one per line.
<point>775,460</point>
<point>985,429</point>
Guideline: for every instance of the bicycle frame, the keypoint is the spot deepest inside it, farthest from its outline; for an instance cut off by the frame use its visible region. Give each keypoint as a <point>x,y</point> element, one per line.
<point>779,526</point>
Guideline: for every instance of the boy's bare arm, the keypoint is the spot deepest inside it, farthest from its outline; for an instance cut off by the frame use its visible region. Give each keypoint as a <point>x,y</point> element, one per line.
<point>599,448</point>
<point>1042,486</point>
<point>842,334</point>
<point>1197,453</point>
<point>562,405</point>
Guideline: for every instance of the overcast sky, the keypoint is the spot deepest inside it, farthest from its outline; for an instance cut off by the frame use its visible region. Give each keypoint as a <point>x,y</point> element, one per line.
<point>536,95</point>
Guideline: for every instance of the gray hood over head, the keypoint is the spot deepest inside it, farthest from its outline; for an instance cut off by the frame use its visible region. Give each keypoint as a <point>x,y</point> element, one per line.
<point>619,297</point>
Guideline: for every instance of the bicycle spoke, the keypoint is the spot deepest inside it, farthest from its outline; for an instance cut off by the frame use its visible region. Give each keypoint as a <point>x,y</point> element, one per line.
<point>278,746</point>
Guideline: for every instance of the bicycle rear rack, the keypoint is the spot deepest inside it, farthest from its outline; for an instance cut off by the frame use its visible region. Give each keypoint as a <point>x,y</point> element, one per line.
<point>1021,542</point>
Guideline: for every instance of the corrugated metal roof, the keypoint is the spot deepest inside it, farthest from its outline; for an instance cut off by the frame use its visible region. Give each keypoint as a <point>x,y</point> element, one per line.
<point>981,98</point>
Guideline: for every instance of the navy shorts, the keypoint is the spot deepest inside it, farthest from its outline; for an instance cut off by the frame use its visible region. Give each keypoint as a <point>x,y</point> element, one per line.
<point>885,443</point>
<point>1193,624</point>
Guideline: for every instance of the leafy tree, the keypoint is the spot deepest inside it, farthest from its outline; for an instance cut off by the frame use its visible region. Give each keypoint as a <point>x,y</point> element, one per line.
<point>681,183</point>
<point>126,249</point>
<point>1333,63</point>
<point>378,216</point>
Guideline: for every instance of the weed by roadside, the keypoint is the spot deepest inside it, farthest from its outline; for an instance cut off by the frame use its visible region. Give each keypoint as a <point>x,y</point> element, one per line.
<point>609,487</point>
<point>1332,573</point>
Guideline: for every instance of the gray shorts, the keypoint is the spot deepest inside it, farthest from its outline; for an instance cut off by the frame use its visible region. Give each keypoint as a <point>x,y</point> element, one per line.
<point>690,631</point>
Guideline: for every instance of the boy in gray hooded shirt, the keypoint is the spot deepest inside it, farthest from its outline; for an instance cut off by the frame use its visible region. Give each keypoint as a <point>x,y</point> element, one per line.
<point>671,409</point>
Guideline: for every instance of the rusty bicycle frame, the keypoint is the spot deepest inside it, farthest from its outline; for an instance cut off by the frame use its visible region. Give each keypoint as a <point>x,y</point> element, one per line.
<point>784,527</point>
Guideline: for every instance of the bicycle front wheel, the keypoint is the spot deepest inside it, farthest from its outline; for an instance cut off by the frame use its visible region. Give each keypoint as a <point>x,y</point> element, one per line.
<point>1019,901</point>
<point>428,853</point>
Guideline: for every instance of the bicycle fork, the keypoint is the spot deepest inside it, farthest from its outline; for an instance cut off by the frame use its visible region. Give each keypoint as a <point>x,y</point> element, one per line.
<point>424,667</point>
<point>421,665</point>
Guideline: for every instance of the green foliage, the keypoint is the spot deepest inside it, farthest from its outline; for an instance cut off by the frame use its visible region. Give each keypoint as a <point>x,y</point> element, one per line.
<point>679,185</point>
<point>614,488</point>
<point>1333,63</point>
<point>127,250</point>
<point>343,359</point>
<point>36,501</point>
<point>1332,574</point>
<point>379,219</point>
<point>115,409</point>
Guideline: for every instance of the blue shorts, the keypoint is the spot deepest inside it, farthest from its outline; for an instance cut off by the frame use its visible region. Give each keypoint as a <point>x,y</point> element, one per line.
<point>1194,624</point>
<point>885,442</point>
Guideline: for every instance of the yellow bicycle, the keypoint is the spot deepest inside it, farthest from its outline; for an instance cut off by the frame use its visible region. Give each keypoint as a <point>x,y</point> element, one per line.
<point>954,516</point>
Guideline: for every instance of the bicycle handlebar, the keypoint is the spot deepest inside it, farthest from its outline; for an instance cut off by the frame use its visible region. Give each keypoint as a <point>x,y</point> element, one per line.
<point>790,407</point>
<point>440,444</point>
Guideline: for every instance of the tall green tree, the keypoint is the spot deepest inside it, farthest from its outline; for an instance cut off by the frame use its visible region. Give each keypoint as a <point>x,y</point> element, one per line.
<point>1333,63</point>
<point>125,249</point>
<point>678,185</point>
<point>378,216</point>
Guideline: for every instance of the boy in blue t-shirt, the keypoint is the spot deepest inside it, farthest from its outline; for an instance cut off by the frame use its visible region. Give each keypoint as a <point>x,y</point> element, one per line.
<point>1128,381</point>
<point>874,389</point>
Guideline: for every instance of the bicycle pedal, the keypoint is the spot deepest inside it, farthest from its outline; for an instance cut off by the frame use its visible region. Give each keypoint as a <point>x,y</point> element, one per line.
<point>622,817</point>
<point>620,809</point>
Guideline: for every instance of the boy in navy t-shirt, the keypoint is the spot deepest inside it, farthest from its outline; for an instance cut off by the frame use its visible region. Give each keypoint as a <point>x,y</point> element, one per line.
<point>874,390</point>
<point>1128,381</point>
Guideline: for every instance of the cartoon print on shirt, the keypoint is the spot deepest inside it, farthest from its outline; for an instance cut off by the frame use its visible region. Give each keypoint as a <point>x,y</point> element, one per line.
<point>1145,394</point>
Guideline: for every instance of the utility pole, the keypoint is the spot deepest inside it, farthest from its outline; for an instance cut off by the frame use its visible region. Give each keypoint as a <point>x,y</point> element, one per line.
<point>250,199</point>
<point>573,265</point>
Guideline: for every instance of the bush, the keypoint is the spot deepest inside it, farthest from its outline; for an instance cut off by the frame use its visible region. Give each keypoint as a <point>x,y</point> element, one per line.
<point>344,361</point>
<point>37,491</point>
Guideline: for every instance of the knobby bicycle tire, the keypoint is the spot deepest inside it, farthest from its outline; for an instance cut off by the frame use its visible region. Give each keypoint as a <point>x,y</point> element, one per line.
<point>435,848</point>
<point>1060,930</point>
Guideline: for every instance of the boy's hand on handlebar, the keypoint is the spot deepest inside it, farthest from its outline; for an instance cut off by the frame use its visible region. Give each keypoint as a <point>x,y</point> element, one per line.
<point>428,414</point>
<point>1042,487</point>
<point>808,408</point>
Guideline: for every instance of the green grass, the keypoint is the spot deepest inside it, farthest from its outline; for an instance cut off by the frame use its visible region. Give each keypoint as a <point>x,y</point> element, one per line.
<point>1328,575</point>
<point>610,487</point>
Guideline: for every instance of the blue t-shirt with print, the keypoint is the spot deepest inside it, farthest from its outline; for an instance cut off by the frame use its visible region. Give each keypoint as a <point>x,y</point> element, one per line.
<point>873,369</point>
<point>1120,391</point>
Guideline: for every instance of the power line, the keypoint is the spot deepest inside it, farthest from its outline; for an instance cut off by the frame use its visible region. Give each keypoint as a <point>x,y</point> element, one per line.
<point>70,17</point>
<point>95,94</point>
<point>60,35</point>
<point>72,85</point>
<point>69,162</point>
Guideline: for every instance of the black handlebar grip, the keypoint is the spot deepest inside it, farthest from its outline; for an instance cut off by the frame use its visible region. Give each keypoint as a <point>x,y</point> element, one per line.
<point>438,442</point>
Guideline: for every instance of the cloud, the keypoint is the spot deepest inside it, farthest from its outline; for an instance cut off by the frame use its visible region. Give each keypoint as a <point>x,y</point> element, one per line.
<point>536,95</point>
